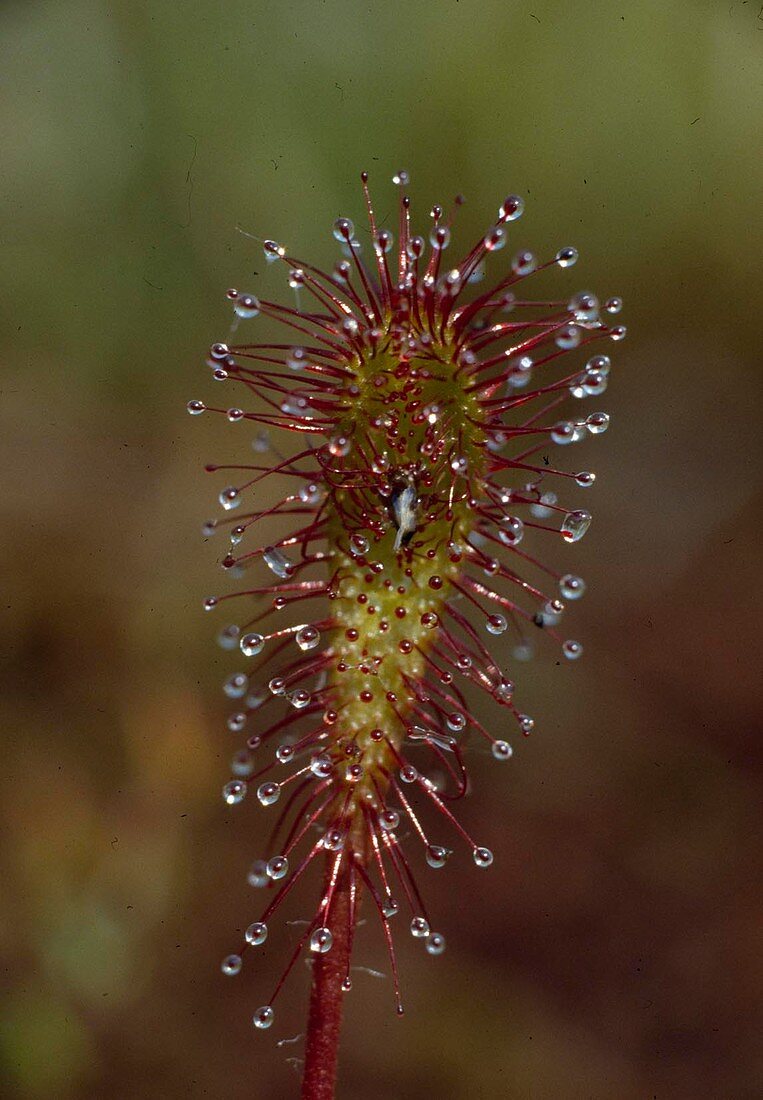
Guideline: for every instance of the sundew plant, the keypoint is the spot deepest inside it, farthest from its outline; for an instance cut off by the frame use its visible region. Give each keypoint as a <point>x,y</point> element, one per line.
<point>429,521</point>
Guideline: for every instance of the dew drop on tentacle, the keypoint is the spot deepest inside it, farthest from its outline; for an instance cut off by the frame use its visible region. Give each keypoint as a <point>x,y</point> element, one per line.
<point>273,251</point>
<point>437,856</point>
<point>584,307</point>
<point>228,636</point>
<point>263,1017</point>
<point>511,531</point>
<point>277,562</point>
<point>234,792</point>
<point>246,306</point>
<point>575,525</point>
<point>242,764</point>
<point>299,699</point>
<point>229,497</point>
<point>390,907</point>
<point>495,239</point>
<point>237,721</point>
<point>598,364</point>
<point>252,644</point>
<point>563,432</point>
<point>594,384</point>
<point>321,766</point>
<point>231,965</point>
<point>571,587</point>
<point>257,875</point>
<point>511,208</point>
<point>389,820</point>
<point>278,867</point>
<point>419,927</point>
<point>333,839</point>
<point>566,257</point>
<point>321,941</point>
<point>236,685</point>
<point>307,638</point>
<point>483,857</point>
<point>256,933</point>
<point>344,229</point>
<point>597,423</point>
<point>496,624</point>
<point>435,944</point>
<point>268,793</point>
<point>524,263</point>
<point>503,691</point>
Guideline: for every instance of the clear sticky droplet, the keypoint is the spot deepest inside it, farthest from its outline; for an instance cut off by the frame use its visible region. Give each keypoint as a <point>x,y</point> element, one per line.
<point>502,750</point>
<point>257,875</point>
<point>277,562</point>
<point>571,587</point>
<point>419,927</point>
<point>511,531</point>
<point>263,1017</point>
<point>390,907</point>
<point>437,856</point>
<point>575,525</point>
<point>256,933</point>
<point>435,943</point>
<point>344,229</point>
<point>251,644</point>
<point>229,498</point>
<point>242,764</point>
<point>307,638</point>
<point>268,793</point>
<point>278,867</point>
<point>234,792</point>
<point>597,423</point>
<point>228,636</point>
<point>566,257</point>
<point>483,857</point>
<point>511,208</point>
<point>231,965</point>
<point>236,685</point>
<point>572,650</point>
<point>321,766</point>
<point>246,306</point>
<point>321,941</point>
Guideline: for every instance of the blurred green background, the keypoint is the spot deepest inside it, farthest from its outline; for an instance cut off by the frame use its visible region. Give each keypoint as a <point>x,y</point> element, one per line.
<point>610,953</point>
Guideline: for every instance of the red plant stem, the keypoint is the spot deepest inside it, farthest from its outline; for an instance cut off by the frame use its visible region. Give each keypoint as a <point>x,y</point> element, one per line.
<point>326,996</point>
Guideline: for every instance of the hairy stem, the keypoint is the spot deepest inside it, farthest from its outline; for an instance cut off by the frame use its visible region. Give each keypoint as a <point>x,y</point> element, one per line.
<point>326,995</point>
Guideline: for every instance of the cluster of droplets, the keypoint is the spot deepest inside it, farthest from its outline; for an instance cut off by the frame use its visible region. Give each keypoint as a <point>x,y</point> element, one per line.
<point>308,395</point>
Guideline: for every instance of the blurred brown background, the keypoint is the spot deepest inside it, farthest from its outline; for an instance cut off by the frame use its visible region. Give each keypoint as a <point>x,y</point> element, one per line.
<point>612,951</point>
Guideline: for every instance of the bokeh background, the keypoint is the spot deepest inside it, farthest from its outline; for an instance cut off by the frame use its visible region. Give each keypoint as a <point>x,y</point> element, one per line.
<point>611,951</point>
